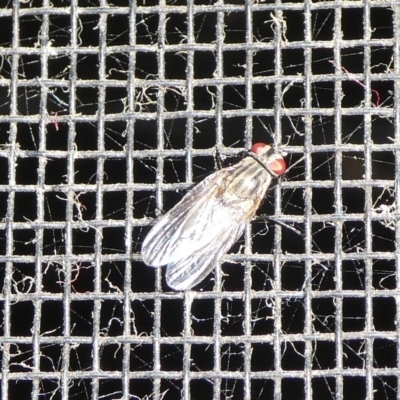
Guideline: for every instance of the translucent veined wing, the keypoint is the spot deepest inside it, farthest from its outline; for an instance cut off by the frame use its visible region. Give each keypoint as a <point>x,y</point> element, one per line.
<point>192,225</point>
<point>190,271</point>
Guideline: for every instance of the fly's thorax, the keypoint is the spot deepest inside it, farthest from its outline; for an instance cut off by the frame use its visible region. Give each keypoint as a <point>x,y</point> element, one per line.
<point>248,180</point>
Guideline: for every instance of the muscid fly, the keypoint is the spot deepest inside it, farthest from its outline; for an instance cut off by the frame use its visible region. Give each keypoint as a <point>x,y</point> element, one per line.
<point>194,235</point>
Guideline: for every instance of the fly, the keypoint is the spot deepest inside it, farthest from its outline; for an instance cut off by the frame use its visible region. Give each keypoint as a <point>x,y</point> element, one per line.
<point>194,235</point>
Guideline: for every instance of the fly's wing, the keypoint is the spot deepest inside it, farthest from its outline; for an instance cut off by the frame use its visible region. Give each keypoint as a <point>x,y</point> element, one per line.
<point>196,223</point>
<point>188,272</point>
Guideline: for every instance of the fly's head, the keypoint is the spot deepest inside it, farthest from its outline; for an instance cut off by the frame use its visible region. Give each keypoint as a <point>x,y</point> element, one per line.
<point>273,162</point>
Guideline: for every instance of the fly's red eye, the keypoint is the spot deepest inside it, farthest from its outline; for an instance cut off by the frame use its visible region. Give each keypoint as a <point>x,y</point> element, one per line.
<point>257,147</point>
<point>277,166</point>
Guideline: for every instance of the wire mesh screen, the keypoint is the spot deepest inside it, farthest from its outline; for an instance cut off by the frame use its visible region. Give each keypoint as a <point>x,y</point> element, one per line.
<point>111,112</point>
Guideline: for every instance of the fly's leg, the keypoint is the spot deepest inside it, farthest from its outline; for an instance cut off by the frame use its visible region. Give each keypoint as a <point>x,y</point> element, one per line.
<point>218,159</point>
